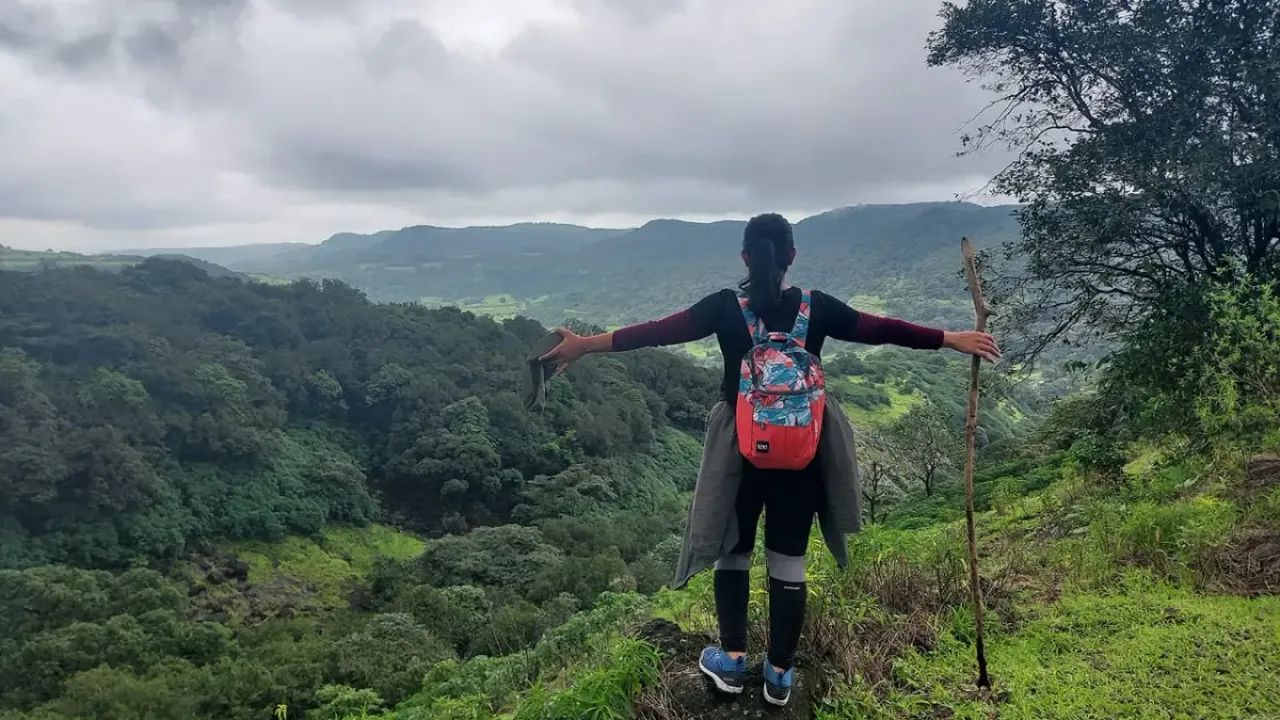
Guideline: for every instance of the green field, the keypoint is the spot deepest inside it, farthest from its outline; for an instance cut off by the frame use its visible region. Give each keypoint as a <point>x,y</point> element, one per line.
<point>498,307</point>
<point>27,260</point>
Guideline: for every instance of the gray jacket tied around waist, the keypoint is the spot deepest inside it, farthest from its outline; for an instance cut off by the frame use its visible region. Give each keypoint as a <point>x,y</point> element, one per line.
<point>712,529</point>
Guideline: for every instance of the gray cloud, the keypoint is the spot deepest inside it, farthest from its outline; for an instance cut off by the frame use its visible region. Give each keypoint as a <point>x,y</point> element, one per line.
<point>148,33</point>
<point>659,107</point>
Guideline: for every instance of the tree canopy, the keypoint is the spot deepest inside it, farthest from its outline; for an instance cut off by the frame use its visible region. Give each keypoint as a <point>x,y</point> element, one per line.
<point>1147,136</point>
<point>153,411</point>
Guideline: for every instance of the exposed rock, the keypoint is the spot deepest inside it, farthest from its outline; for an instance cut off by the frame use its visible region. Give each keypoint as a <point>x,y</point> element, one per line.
<point>1264,471</point>
<point>685,694</point>
<point>227,594</point>
<point>237,569</point>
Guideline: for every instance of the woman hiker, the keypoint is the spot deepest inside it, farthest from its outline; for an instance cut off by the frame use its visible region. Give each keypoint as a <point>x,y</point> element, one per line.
<point>732,491</point>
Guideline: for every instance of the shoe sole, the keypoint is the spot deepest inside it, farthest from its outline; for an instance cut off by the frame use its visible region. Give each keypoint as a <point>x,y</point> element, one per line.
<point>773,701</point>
<point>721,685</point>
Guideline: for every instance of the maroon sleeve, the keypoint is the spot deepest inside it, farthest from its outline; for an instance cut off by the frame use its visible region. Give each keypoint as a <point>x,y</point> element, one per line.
<point>685,326</point>
<point>878,330</point>
<point>844,323</point>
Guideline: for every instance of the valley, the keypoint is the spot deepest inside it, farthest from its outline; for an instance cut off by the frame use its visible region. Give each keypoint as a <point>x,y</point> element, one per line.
<point>318,480</point>
<point>343,500</point>
<point>901,259</point>
<point>293,471</point>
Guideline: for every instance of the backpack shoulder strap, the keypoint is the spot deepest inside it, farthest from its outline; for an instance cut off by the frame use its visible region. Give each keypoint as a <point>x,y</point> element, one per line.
<point>755,326</point>
<point>800,332</point>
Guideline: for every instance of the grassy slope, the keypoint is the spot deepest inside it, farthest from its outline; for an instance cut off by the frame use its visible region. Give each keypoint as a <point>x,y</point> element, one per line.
<point>14,259</point>
<point>296,575</point>
<point>900,403</point>
<point>1094,612</point>
<point>329,563</point>
<point>32,260</point>
<point>1143,649</point>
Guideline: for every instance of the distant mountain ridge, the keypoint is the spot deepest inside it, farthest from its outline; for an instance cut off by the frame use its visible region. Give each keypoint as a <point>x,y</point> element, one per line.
<point>899,258</point>
<point>225,255</point>
<point>33,260</point>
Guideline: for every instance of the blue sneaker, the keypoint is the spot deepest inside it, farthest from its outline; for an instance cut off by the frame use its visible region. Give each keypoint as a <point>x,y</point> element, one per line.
<point>728,674</point>
<point>777,686</point>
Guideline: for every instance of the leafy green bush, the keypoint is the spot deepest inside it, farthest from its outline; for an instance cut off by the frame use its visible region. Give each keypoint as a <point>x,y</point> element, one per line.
<point>1238,396</point>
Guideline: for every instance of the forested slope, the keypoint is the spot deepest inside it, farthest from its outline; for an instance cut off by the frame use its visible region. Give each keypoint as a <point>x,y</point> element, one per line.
<point>229,440</point>
<point>236,495</point>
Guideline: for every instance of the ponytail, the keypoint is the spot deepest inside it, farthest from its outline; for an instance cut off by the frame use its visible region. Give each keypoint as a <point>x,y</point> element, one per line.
<point>768,243</point>
<point>764,277</point>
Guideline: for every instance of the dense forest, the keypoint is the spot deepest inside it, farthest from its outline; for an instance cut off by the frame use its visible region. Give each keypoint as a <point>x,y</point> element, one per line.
<point>154,410</point>
<point>150,415</point>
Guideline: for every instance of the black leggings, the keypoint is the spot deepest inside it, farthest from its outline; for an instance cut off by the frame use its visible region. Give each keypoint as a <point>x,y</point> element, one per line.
<point>789,501</point>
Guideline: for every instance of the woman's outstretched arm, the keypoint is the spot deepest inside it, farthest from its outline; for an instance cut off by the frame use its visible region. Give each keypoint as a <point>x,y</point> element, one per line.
<point>853,326</point>
<point>682,327</point>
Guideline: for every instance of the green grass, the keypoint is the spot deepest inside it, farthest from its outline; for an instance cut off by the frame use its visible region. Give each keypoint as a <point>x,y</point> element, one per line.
<point>1145,650</point>
<point>268,279</point>
<point>498,307</point>
<point>26,260</point>
<point>586,667</point>
<point>1128,637</point>
<point>873,304</point>
<point>328,565</point>
<point>900,403</point>
<point>602,689</point>
<point>703,351</point>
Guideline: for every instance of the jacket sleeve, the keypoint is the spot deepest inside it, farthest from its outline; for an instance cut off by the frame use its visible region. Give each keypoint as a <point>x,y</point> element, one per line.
<point>694,323</point>
<point>845,323</point>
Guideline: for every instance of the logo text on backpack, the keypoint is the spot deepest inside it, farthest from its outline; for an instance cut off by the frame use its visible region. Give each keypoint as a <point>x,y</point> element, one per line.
<point>762,446</point>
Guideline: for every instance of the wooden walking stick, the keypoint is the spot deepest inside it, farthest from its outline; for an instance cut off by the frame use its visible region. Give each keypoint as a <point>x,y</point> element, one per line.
<point>981,312</point>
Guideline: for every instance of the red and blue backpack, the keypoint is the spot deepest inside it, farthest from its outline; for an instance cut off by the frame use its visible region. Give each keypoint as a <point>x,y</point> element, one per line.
<point>781,394</point>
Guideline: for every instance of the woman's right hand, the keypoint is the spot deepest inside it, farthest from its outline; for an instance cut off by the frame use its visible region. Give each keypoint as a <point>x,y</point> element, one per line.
<point>972,342</point>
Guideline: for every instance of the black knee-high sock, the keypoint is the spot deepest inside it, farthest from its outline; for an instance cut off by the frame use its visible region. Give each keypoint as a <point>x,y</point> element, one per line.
<point>732,589</point>
<point>786,618</point>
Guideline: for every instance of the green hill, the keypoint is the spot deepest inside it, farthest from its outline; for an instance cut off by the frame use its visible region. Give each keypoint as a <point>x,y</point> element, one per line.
<point>900,258</point>
<point>228,255</point>
<point>207,472</point>
<point>32,260</point>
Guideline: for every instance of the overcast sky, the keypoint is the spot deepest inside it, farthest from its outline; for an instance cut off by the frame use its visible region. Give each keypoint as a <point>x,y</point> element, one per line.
<point>146,123</point>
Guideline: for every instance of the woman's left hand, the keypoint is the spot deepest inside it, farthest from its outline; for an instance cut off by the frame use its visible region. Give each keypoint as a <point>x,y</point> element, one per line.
<point>972,342</point>
<point>571,349</point>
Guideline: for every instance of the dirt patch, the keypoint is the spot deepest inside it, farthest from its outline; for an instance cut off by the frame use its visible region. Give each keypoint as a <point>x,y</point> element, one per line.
<point>221,592</point>
<point>1261,476</point>
<point>683,693</point>
<point>1248,565</point>
<point>1264,471</point>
